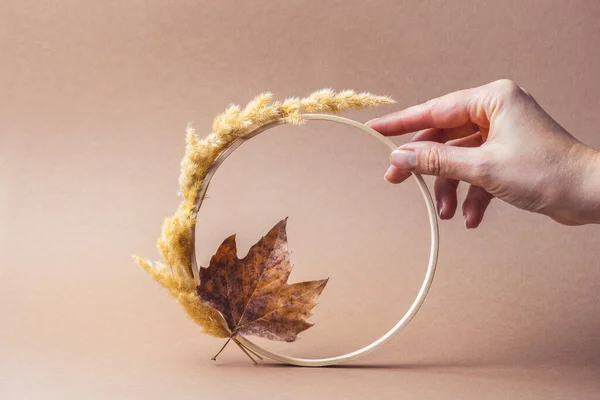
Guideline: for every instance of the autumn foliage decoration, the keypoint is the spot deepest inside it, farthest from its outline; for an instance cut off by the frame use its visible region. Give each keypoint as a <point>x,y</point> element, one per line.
<point>248,296</point>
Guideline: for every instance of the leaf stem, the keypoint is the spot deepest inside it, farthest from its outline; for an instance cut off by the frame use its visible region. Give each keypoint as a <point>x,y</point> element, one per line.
<point>244,350</point>
<point>222,348</point>
<point>251,351</point>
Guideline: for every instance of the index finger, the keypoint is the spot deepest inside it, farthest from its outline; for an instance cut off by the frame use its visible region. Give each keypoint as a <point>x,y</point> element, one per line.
<point>450,111</point>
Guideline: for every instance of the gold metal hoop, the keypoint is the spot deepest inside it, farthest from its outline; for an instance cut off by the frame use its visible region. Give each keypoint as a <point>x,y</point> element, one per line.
<point>433,252</point>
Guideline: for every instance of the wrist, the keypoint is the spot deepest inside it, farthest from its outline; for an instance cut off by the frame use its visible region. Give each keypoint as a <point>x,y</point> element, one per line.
<point>579,202</point>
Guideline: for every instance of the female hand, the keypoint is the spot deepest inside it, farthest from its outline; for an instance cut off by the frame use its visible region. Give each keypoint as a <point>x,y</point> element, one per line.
<point>499,140</point>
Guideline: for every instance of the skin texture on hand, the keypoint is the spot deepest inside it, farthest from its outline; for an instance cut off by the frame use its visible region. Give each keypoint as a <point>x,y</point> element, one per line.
<point>498,139</point>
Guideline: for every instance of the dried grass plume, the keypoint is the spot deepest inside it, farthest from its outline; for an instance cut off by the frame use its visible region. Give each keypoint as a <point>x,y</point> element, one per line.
<point>176,242</point>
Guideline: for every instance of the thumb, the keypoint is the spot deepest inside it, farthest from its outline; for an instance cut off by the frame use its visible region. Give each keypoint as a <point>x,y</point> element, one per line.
<point>430,158</point>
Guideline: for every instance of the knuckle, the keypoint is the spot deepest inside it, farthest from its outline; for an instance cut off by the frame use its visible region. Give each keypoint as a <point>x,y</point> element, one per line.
<point>431,103</point>
<point>434,160</point>
<point>508,88</point>
<point>430,107</point>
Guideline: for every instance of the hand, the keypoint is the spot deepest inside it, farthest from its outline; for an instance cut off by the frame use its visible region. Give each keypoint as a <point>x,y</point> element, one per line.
<point>497,138</point>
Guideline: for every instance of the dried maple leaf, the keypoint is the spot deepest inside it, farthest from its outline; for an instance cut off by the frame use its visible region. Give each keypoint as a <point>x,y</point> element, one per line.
<point>252,293</point>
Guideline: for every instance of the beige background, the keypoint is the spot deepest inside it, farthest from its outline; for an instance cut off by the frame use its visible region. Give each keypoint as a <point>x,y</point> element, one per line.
<point>94,100</point>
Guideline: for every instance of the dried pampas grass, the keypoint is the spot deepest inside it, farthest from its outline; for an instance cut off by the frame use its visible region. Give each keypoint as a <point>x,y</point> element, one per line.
<point>176,243</point>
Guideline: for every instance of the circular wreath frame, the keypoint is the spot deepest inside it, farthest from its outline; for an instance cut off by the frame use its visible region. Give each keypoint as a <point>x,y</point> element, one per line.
<point>179,271</point>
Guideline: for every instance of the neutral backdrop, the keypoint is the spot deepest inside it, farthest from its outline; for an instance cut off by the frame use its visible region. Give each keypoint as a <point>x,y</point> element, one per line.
<point>94,100</point>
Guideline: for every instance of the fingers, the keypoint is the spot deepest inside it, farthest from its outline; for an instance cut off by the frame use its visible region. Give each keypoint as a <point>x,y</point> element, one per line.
<point>396,175</point>
<point>450,111</point>
<point>450,163</point>
<point>430,158</point>
<point>474,206</point>
<point>445,194</point>
<point>477,105</point>
<point>444,135</point>
<point>445,189</point>
<point>474,140</point>
<point>453,128</point>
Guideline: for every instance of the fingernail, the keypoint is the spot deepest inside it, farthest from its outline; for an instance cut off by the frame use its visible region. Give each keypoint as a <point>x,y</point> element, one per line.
<point>469,222</point>
<point>388,173</point>
<point>374,120</point>
<point>440,207</point>
<point>404,159</point>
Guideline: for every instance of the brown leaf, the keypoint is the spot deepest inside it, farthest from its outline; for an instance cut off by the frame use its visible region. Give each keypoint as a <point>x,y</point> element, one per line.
<point>252,293</point>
